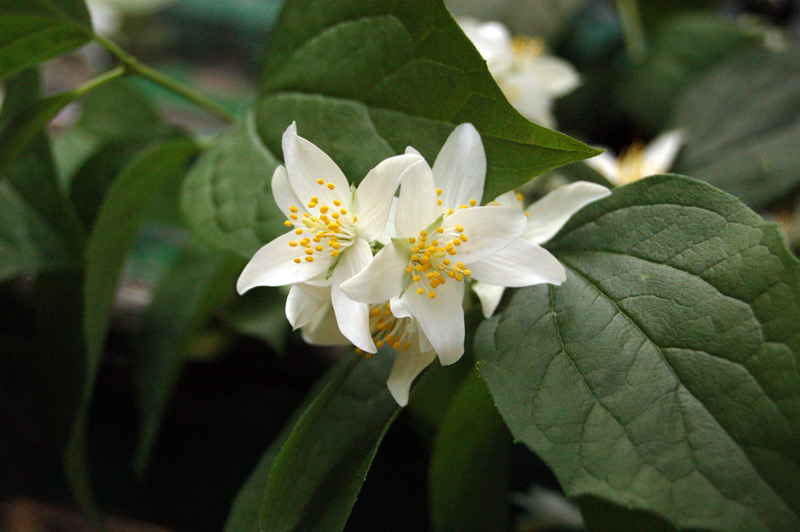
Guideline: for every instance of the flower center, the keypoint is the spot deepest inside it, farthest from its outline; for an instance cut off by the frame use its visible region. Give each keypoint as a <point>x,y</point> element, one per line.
<point>431,264</point>
<point>387,329</point>
<point>323,228</point>
<point>632,164</point>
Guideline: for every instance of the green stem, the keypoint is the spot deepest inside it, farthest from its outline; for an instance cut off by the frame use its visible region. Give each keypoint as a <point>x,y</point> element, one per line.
<point>133,65</point>
<point>631,21</point>
<point>93,83</point>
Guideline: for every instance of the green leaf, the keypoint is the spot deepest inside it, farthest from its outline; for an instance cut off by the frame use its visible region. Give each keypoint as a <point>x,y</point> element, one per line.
<point>365,79</point>
<point>32,31</point>
<point>680,50</point>
<point>602,516</point>
<point>469,469</point>
<point>742,129</point>
<point>182,303</point>
<point>260,314</point>
<point>315,478</point>
<point>662,376</point>
<point>119,110</point>
<point>226,197</point>
<point>117,224</point>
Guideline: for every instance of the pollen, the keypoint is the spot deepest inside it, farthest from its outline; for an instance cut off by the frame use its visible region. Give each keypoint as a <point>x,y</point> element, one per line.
<point>460,229</point>
<point>318,248</point>
<point>288,223</point>
<point>472,202</point>
<point>337,203</point>
<point>293,216</point>
<point>298,231</point>
<point>297,260</point>
<point>335,253</point>
<point>309,259</point>
<point>331,186</point>
<point>309,251</point>
<point>343,210</point>
<point>438,191</point>
<point>324,209</point>
<point>420,291</point>
<point>293,243</point>
<point>431,294</point>
<point>415,278</point>
<point>293,208</point>
<point>321,181</point>
<point>412,240</point>
<point>463,237</point>
<point>440,230</point>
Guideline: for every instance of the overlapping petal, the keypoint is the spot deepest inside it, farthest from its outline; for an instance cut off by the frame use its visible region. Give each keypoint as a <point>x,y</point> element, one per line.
<point>489,295</point>
<point>352,316</point>
<point>548,215</point>
<point>441,319</point>
<point>407,365</point>
<point>522,263</point>
<point>487,229</point>
<point>384,277</point>
<point>306,304</point>
<point>417,206</point>
<point>460,168</point>
<point>283,194</point>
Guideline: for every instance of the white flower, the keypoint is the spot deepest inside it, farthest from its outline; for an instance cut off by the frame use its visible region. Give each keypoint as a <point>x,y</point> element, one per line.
<point>442,237</point>
<point>529,79</point>
<point>545,218</point>
<point>638,160</point>
<point>309,308</point>
<point>332,227</point>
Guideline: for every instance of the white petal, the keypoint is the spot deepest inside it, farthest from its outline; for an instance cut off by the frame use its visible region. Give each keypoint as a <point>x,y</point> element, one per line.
<point>417,207</point>
<point>660,154</point>
<point>488,230</point>
<point>441,319</point>
<point>306,164</point>
<point>389,231</point>
<point>382,279</point>
<point>305,304</point>
<point>493,41</point>
<point>410,150</point>
<point>325,331</point>
<point>607,166</point>
<point>523,263</point>
<point>273,265</point>
<point>460,167</point>
<point>489,296</point>
<point>352,316</point>
<point>407,365</point>
<point>283,194</point>
<point>548,215</point>
<point>509,199</point>
<point>552,75</point>
<point>374,195</point>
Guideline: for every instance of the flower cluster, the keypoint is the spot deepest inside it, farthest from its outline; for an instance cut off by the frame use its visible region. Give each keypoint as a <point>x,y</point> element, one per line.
<point>433,241</point>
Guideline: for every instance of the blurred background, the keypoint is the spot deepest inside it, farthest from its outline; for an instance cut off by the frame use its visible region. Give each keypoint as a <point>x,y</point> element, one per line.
<point>723,73</point>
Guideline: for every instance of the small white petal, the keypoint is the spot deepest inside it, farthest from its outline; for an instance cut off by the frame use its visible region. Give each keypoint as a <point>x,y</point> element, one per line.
<point>352,316</point>
<point>325,331</point>
<point>306,303</point>
<point>489,296</point>
<point>606,165</point>
<point>273,265</point>
<point>493,41</point>
<point>509,199</point>
<point>661,152</point>
<point>441,319</point>
<point>410,150</point>
<point>407,365</point>
<point>551,75</point>
<point>374,195</point>
<point>389,231</point>
<point>382,279</point>
<point>417,207</point>
<point>548,215</point>
<point>523,263</point>
<point>488,230</point>
<point>283,193</point>
<point>306,163</point>
<point>460,167</point>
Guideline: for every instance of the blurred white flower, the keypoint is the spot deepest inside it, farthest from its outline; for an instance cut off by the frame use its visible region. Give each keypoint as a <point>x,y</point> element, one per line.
<point>332,225</point>
<point>638,160</point>
<point>530,79</point>
<point>545,218</point>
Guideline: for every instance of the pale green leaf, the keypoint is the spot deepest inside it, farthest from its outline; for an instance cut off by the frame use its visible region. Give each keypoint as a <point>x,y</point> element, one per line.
<point>662,376</point>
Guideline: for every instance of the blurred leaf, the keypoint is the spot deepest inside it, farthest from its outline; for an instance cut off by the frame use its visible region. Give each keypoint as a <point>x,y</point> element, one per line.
<point>72,148</point>
<point>656,11</point>
<point>31,172</point>
<point>315,478</point>
<point>260,313</point>
<point>662,376</point>
<point>742,127</point>
<point>226,196</point>
<point>602,516</point>
<point>115,229</point>
<point>680,50</point>
<point>410,77</point>
<point>32,31</point>
<point>182,303</point>
<point>469,469</point>
<point>119,110</point>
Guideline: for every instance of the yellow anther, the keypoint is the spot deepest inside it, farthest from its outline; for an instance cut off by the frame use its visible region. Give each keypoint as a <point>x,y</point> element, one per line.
<point>337,203</point>
<point>460,265</point>
<point>331,186</point>
<point>396,345</point>
<point>415,278</point>
<point>293,243</point>
<point>467,273</point>
<point>293,208</point>
<point>431,294</point>
<point>298,231</point>
<point>293,216</point>
<point>325,219</point>
<point>409,268</point>
<point>434,243</point>
<point>343,210</point>
<point>438,191</point>
<point>288,223</point>
<point>420,291</point>
<point>335,215</point>
<point>374,312</point>
<point>318,248</point>
<point>406,346</point>
<point>446,262</point>
<point>414,258</point>
<point>297,261</point>
<point>449,212</point>
<point>324,209</point>
<point>309,259</point>
<point>439,202</point>
<point>355,218</point>
<point>314,199</point>
<point>463,237</point>
<point>451,274</point>
<point>305,215</point>
<point>389,338</point>
<point>519,196</point>
<point>335,253</point>
<point>423,234</point>
<point>472,202</point>
<point>459,277</point>
<point>309,252</point>
<point>459,229</point>
<point>321,181</point>
<point>418,267</point>
<point>440,230</point>
<point>379,344</point>
<point>412,240</point>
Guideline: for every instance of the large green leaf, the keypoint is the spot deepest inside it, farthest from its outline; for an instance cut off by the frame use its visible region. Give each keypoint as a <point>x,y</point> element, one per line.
<point>470,462</point>
<point>742,128</point>
<point>663,374</point>
<point>31,170</point>
<point>315,478</point>
<point>125,205</point>
<point>226,197</point>
<point>182,303</point>
<point>32,31</point>
<point>364,79</point>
